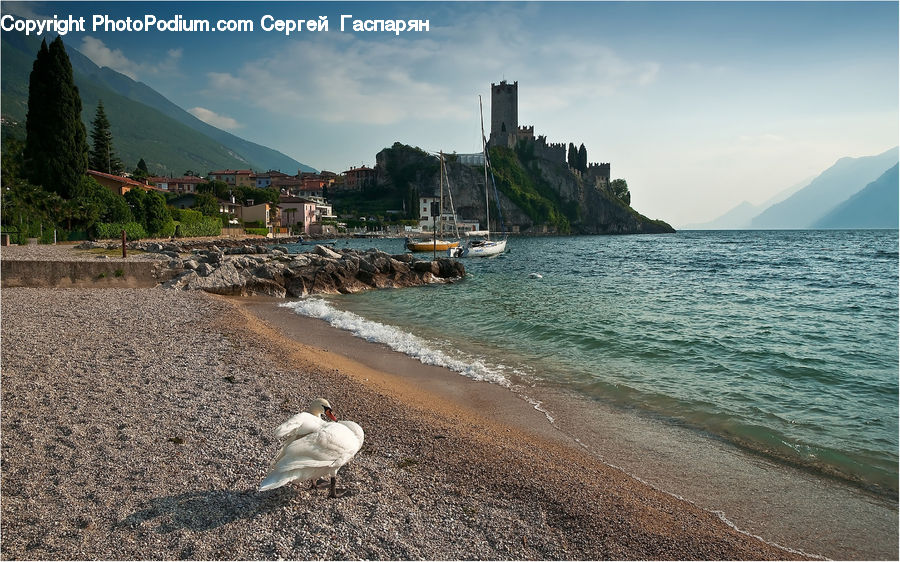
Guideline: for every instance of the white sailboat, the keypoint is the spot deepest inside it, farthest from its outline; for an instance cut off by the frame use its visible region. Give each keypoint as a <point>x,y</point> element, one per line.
<point>480,243</point>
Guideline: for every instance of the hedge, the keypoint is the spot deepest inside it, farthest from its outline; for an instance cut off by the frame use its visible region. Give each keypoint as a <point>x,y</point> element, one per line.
<point>111,230</point>
<point>193,223</point>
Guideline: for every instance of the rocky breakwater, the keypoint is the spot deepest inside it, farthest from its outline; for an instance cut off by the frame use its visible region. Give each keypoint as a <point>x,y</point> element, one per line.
<point>264,270</point>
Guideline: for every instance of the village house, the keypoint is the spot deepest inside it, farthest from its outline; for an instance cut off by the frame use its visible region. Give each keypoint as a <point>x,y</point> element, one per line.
<point>264,213</point>
<point>118,184</point>
<point>297,213</point>
<point>184,184</point>
<point>356,179</point>
<point>239,178</point>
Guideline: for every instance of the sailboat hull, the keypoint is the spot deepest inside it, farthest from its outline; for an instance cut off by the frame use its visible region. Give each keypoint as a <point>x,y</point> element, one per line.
<point>480,249</point>
<point>430,245</point>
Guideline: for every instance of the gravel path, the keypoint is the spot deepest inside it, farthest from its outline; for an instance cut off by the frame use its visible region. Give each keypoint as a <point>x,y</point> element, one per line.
<point>137,423</point>
<point>66,252</point>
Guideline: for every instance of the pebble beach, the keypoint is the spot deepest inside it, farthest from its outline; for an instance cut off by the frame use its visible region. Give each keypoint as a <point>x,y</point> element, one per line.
<point>138,423</point>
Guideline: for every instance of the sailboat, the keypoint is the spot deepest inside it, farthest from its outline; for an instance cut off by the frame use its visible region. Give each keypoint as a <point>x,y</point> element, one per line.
<point>480,243</point>
<point>437,244</point>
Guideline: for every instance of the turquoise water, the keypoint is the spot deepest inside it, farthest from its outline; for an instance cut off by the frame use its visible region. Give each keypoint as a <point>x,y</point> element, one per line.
<point>783,342</point>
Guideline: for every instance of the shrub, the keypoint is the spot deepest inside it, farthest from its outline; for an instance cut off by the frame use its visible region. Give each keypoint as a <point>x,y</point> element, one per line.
<point>194,223</point>
<point>260,231</point>
<point>111,230</point>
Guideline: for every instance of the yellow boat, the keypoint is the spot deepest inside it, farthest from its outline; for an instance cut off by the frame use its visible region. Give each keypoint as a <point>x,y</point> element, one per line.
<point>430,245</point>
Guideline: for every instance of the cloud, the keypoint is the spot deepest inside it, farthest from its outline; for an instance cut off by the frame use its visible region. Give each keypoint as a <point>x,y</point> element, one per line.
<point>346,78</point>
<point>24,10</point>
<point>214,119</point>
<point>101,55</point>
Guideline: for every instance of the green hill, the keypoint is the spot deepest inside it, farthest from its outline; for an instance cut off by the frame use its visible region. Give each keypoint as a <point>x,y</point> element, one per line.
<point>144,124</point>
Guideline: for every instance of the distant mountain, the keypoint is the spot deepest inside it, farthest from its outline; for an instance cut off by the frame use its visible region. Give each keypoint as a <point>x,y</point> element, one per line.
<point>876,206</point>
<point>144,123</point>
<point>832,187</point>
<point>740,216</point>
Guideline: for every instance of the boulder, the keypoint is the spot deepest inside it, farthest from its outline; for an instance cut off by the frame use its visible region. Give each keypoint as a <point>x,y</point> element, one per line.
<point>323,272</point>
<point>326,252</point>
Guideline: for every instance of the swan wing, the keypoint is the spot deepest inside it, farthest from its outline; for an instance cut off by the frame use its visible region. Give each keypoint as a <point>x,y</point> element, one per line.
<point>297,426</point>
<point>315,455</point>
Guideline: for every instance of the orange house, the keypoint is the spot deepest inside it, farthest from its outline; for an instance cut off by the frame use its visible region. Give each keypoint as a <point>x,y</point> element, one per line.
<point>117,184</point>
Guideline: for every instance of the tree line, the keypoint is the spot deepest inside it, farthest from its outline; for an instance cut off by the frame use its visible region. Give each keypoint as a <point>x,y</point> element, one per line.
<point>45,187</point>
<point>578,160</point>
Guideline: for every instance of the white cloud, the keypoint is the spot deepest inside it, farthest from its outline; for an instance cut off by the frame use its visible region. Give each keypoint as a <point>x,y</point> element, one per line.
<point>101,55</point>
<point>214,119</point>
<point>343,78</point>
<point>24,10</point>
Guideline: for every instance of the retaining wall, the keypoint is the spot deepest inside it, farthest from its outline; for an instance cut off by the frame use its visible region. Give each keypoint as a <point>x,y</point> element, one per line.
<point>101,273</point>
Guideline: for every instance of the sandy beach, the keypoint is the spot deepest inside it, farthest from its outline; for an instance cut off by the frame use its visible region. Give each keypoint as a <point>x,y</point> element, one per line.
<point>137,423</point>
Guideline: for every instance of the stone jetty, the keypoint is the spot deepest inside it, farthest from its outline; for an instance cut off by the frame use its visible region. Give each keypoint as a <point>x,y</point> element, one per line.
<point>248,269</point>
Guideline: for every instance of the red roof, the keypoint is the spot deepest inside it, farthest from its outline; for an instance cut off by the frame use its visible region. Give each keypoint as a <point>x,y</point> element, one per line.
<point>229,172</point>
<point>124,180</point>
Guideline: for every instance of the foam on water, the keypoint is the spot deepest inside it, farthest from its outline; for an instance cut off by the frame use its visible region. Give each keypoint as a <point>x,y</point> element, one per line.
<point>400,341</point>
<point>784,343</point>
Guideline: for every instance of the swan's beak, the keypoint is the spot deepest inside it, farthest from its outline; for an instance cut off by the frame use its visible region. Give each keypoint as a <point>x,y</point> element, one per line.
<point>330,415</point>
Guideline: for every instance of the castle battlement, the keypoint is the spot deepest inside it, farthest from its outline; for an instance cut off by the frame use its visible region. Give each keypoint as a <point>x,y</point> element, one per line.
<point>505,130</point>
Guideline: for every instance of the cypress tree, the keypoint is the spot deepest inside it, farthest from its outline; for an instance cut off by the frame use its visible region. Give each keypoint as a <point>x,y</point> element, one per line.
<point>56,151</point>
<point>36,125</point>
<point>103,158</point>
<point>573,156</point>
<point>141,171</point>
<point>582,158</point>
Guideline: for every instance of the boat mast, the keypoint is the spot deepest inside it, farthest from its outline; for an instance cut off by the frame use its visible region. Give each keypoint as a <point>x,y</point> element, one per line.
<point>450,196</point>
<point>487,205</point>
<point>441,209</point>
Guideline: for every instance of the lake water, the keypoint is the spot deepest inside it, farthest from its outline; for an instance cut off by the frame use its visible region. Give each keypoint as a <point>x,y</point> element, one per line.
<point>783,342</point>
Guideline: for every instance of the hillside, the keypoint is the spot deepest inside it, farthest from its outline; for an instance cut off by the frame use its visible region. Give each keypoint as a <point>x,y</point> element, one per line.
<point>833,186</point>
<point>739,217</point>
<point>144,124</point>
<point>535,196</point>
<point>873,207</point>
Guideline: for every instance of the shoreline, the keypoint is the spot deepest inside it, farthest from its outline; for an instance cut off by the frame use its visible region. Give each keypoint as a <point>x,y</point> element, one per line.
<point>137,424</point>
<point>758,495</point>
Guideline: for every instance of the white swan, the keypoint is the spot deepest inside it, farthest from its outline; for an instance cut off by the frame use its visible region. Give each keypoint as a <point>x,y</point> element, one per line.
<point>313,448</point>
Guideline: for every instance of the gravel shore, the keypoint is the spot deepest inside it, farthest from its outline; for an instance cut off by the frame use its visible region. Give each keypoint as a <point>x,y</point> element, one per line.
<point>137,423</point>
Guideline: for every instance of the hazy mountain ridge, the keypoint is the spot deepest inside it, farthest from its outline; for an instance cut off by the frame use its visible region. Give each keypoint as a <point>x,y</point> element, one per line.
<point>739,217</point>
<point>144,123</point>
<point>831,188</point>
<point>806,205</point>
<point>875,206</point>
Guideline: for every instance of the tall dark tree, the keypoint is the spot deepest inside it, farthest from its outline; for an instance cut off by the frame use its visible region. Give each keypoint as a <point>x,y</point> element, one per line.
<point>102,157</point>
<point>573,156</point>
<point>56,151</point>
<point>141,171</point>
<point>582,158</point>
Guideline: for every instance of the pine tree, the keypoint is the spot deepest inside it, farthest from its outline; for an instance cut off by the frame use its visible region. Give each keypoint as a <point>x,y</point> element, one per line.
<point>56,151</point>
<point>141,171</point>
<point>103,158</point>
<point>582,158</point>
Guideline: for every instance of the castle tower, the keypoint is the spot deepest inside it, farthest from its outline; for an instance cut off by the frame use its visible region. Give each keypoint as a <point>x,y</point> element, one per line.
<point>504,113</point>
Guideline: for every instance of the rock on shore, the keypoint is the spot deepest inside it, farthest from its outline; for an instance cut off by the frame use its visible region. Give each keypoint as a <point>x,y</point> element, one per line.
<point>246,269</point>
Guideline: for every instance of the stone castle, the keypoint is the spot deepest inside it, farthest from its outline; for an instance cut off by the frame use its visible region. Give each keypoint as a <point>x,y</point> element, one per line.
<point>505,131</point>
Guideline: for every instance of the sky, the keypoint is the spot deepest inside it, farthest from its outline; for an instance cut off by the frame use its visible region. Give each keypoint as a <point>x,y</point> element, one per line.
<point>697,105</point>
